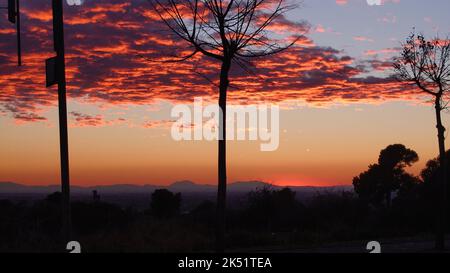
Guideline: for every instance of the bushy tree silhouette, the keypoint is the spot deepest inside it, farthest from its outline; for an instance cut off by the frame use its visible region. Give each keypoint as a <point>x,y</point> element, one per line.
<point>273,210</point>
<point>430,173</point>
<point>430,177</point>
<point>165,204</point>
<point>377,184</point>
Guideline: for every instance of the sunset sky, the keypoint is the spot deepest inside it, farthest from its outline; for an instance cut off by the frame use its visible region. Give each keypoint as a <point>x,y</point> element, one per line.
<point>339,106</point>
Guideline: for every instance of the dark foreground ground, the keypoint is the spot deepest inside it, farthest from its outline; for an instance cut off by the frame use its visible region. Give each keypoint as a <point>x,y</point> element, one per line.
<point>266,220</point>
<point>423,244</point>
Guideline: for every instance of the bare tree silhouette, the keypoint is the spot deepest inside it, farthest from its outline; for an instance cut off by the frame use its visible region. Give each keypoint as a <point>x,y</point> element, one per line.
<point>426,64</point>
<point>229,31</point>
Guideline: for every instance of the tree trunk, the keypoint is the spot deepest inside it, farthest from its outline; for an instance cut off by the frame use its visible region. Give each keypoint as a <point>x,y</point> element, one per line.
<point>441,215</point>
<point>222,171</point>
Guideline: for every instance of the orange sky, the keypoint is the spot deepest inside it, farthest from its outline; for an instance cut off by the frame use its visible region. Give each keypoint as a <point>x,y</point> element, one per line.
<point>318,146</point>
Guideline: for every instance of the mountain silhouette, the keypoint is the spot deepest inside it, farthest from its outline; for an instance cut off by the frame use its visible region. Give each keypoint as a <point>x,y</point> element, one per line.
<point>180,186</point>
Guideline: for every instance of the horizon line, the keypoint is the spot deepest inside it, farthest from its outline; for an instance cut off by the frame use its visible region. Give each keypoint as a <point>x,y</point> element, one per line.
<point>173,183</point>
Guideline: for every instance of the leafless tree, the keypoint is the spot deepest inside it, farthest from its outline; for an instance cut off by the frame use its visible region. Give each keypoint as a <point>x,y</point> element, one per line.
<point>231,32</point>
<point>426,64</point>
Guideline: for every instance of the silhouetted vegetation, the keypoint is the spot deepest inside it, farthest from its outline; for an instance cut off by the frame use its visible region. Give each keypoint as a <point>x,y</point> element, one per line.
<point>272,210</point>
<point>267,217</point>
<point>165,204</point>
<point>426,65</point>
<point>378,183</point>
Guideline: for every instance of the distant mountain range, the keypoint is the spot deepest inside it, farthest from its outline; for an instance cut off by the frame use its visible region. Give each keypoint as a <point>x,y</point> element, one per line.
<point>181,186</point>
<point>138,196</point>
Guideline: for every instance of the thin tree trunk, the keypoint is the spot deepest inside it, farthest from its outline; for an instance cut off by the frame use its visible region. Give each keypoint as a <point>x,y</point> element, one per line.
<point>441,215</point>
<point>222,162</point>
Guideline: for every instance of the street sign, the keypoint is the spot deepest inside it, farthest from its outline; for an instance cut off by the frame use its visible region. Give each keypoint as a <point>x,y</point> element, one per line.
<point>12,11</point>
<point>51,77</point>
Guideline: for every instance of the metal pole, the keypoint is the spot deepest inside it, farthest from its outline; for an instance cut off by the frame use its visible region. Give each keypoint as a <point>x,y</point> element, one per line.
<point>58,33</point>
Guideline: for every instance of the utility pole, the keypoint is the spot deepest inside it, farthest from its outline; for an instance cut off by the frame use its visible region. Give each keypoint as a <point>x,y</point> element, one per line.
<point>56,73</point>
